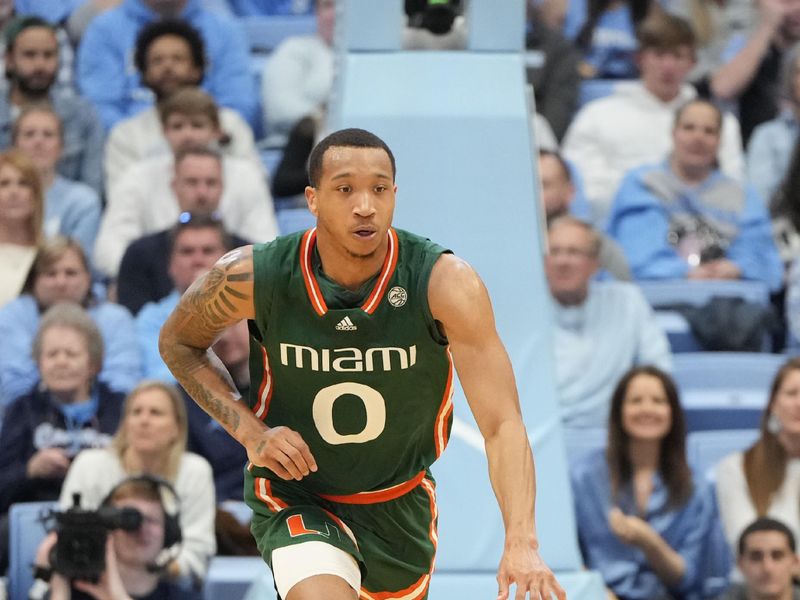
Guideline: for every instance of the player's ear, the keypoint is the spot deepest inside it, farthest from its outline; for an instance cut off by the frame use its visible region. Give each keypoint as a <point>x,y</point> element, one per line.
<point>311,199</point>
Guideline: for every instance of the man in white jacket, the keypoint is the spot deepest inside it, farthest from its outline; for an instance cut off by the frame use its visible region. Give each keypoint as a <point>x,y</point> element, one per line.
<point>632,126</point>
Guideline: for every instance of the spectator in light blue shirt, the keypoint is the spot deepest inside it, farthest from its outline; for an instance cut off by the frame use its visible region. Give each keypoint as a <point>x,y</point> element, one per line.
<point>108,77</point>
<point>683,218</point>
<point>72,209</point>
<point>602,329</point>
<point>648,527</point>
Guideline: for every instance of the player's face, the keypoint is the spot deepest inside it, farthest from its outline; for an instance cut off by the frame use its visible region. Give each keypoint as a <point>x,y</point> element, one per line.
<point>696,137</point>
<point>39,138</point>
<point>16,196</point>
<point>195,251</point>
<point>65,280</point>
<point>64,362</point>
<point>354,201</point>
<point>140,547</point>
<point>569,263</point>
<point>189,131</point>
<point>664,71</point>
<point>646,413</point>
<point>767,565</point>
<point>151,424</point>
<point>786,406</point>
<point>557,191</point>
<point>169,66</point>
<point>33,60</point>
<point>198,184</point>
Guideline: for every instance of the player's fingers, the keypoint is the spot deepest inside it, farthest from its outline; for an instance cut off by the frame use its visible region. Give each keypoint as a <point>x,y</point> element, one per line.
<point>502,583</point>
<point>297,458</point>
<point>522,590</point>
<point>278,469</point>
<point>298,442</point>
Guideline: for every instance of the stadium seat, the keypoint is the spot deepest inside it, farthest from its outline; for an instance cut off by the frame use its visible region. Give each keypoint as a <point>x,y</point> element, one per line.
<point>724,390</point>
<point>580,442</point>
<point>264,33</point>
<point>594,89</point>
<point>697,293</point>
<point>25,532</point>
<point>706,448</point>
<point>679,333</point>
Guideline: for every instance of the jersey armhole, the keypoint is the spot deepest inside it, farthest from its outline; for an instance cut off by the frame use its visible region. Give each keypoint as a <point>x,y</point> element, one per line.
<point>424,282</point>
<point>262,292</point>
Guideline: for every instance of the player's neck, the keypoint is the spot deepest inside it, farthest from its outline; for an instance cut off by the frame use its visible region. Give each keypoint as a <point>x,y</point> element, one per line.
<point>347,270</point>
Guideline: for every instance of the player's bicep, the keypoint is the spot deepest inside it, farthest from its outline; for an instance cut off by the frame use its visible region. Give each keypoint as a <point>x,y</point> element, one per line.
<point>214,302</point>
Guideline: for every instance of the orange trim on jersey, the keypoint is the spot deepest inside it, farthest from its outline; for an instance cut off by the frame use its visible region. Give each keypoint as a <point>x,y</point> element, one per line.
<point>312,287</point>
<point>265,389</point>
<point>376,496</point>
<point>263,491</point>
<point>445,410</point>
<point>419,588</point>
<point>389,263</point>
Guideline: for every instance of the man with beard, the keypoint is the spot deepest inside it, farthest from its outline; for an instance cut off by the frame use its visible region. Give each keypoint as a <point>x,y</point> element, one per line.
<point>169,55</point>
<point>31,68</point>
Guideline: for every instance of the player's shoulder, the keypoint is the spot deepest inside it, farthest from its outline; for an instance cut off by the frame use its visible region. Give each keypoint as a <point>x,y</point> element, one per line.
<point>453,281</point>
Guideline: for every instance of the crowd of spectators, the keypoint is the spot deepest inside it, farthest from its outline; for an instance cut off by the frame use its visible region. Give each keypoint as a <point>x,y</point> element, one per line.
<point>129,165</point>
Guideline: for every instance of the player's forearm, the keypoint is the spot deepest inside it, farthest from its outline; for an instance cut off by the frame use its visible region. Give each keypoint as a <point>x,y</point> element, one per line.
<point>206,380</point>
<point>512,473</point>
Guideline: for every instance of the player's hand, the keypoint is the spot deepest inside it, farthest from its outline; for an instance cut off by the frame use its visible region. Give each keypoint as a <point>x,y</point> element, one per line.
<point>282,451</point>
<point>522,565</point>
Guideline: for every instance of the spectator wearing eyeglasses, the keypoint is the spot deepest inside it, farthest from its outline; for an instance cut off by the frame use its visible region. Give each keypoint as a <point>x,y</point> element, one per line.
<point>144,199</point>
<point>195,244</point>
<point>607,319</point>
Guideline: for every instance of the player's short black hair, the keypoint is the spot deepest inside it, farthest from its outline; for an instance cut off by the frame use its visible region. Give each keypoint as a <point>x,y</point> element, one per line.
<point>177,27</point>
<point>766,524</point>
<point>344,138</point>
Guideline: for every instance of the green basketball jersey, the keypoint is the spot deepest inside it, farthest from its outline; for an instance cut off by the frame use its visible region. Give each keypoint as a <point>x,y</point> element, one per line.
<point>367,384</point>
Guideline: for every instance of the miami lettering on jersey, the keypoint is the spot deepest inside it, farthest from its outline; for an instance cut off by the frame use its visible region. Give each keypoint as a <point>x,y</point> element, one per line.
<point>348,360</point>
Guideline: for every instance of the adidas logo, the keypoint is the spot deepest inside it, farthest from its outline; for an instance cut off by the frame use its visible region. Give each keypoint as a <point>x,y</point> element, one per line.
<point>345,325</point>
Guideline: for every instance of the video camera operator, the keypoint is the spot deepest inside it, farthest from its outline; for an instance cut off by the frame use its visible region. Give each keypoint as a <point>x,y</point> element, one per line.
<point>133,558</point>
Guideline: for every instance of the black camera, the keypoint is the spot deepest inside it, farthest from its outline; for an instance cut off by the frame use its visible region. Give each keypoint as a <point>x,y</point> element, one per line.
<point>437,16</point>
<point>80,551</point>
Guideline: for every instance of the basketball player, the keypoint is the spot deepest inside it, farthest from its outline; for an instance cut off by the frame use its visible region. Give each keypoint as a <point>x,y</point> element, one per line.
<point>356,327</point>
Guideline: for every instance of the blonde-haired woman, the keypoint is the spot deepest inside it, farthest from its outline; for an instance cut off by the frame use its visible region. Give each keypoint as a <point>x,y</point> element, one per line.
<point>21,215</point>
<point>764,480</point>
<point>151,439</point>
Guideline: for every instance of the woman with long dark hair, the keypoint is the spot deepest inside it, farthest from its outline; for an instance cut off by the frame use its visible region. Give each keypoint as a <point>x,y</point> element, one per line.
<point>644,523</point>
<point>764,480</point>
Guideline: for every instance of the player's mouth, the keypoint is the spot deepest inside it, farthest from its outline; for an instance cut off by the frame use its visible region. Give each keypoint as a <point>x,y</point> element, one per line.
<point>365,233</point>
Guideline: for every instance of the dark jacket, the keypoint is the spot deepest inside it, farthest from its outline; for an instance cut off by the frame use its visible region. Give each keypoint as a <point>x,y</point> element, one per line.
<point>34,422</point>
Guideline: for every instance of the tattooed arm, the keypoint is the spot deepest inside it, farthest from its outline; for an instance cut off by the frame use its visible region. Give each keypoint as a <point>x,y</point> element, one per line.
<point>217,300</point>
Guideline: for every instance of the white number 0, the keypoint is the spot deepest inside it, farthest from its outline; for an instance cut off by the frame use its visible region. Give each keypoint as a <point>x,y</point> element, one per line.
<point>374,404</point>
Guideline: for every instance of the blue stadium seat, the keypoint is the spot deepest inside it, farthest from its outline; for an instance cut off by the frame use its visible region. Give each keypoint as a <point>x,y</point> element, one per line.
<point>580,442</point>
<point>679,333</point>
<point>697,293</point>
<point>230,577</point>
<point>26,532</point>
<point>706,448</point>
<point>724,390</point>
<point>264,33</point>
<point>593,89</point>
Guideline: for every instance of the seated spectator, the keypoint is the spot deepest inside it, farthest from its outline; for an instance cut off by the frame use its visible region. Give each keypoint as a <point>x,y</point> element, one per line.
<point>195,245</point>
<point>751,72</point>
<point>784,206</point>
<point>611,135</point>
<point>764,480</point>
<point>169,56</point>
<point>31,68</point>
<point>71,208</point>
<point>558,193</point>
<point>298,76</point>
<point>144,201</point>
<point>151,440</point>
<point>144,271</point>
<point>792,308</point>
<point>291,175</point>
<point>771,145</point>
<point>132,557</point>
<point>107,78</point>
<point>68,410</point>
<point>607,36</point>
<point>767,559</point>
<point>644,523</point>
<point>21,217</point>
<point>700,223</point>
<point>551,67</point>
<point>206,436</point>
<point>60,273</point>
<point>608,319</point>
